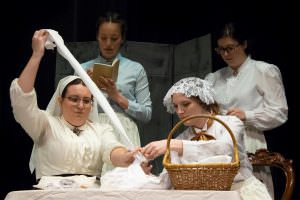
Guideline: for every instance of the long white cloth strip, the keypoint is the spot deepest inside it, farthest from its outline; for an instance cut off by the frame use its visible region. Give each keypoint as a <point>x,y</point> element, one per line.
<point>55,40</point>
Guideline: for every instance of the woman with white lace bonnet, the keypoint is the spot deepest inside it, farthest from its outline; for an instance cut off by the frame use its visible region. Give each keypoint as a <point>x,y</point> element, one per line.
<point>204,140</point>
<point>67,137</point>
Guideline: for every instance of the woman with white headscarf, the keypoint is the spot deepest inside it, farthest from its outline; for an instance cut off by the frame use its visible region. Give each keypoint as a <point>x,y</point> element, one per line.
<point>205,140</point>
<point>67,137</point>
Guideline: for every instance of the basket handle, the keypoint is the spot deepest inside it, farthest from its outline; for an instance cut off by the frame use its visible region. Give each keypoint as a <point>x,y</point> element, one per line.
<point>236,156</point>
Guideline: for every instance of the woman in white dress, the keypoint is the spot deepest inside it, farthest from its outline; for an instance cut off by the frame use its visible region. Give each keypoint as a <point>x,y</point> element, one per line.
<point>191,96</point>
<point>67,137</point>
<point>250,90</point>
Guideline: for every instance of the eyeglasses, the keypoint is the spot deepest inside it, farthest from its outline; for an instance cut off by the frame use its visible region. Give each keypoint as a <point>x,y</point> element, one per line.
<point>228,49</point>
<point>76,100</point>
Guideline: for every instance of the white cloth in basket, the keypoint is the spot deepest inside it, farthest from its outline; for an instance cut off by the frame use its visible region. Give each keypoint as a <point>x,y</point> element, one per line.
<point>175,159</point>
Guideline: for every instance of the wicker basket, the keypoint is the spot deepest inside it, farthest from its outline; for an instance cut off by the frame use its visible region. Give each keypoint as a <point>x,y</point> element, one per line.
<point>202,176</point>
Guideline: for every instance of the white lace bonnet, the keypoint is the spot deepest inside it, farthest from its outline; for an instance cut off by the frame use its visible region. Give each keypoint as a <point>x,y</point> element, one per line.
<point>191,86</point>
<point>54,108</point>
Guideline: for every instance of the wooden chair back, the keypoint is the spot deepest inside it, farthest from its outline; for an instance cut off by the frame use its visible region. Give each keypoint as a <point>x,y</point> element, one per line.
<point>263,157</point>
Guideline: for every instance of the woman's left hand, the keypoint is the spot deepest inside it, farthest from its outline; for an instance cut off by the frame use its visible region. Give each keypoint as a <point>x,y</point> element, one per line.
<point>122,157</point>
<point>130,156</point>
<point>108,86</point>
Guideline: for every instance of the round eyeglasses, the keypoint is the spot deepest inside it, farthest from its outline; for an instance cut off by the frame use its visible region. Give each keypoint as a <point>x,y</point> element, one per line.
<point>76,100</point>
<point>228,49</point>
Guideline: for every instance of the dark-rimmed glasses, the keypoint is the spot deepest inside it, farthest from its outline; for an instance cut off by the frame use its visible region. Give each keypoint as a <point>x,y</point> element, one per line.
<point>228,49</point>
<point>76,100</point>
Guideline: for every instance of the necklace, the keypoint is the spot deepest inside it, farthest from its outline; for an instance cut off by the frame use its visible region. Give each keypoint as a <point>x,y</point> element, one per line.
<point>76,130</point>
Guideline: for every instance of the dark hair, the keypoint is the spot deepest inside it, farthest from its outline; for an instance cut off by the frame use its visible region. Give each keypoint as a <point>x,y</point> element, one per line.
<point>231,30</point>
<point>113,17</point>
<point>76,81</point>
<point>236,31</point>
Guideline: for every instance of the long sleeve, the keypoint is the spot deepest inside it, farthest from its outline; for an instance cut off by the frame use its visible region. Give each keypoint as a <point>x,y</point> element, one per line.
<point>26,111</point>
<point>257,90</point>
<point>109,141</point>
<point>274,109</point>
<point>141,108</point>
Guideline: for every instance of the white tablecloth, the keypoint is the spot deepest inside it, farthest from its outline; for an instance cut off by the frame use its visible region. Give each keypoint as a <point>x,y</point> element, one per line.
<point>94,194</point>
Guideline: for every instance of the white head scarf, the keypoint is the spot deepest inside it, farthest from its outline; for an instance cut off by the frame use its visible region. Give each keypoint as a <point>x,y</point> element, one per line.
<point>54,108</point>
<point>191,86</point>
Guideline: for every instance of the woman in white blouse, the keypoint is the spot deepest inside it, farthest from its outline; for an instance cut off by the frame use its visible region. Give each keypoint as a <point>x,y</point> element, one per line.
<point>249,89</point>
<point>191,96</point>
<point>67,137</point>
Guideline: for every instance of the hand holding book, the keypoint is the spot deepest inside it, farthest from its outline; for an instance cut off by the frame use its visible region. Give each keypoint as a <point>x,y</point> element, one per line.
<point>105,77</point>
<point>106,71</point>
<point>109,87</point>
<point>105,84</point>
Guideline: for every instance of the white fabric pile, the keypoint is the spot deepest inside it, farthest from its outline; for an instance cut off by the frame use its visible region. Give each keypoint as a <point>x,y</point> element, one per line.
<point>69,182</point>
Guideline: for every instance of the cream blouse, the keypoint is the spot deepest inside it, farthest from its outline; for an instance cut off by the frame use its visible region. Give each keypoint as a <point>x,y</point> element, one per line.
<point>57,150</point>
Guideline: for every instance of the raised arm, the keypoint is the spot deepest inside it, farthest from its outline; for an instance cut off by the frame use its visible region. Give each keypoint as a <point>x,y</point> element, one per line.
<point>28,75</point>
<point>22,93</point>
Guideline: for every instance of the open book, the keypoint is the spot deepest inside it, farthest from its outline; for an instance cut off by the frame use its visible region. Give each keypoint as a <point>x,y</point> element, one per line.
<point>107,71</point>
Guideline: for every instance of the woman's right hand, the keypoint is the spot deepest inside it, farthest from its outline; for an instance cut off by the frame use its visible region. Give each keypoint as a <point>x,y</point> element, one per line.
<point>158,148</point>
<point>154,149</point>
<point>38,42</point>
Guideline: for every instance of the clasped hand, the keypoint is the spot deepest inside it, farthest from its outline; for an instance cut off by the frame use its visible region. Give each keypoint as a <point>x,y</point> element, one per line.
<point>158,148</point>
<point>152,151</point>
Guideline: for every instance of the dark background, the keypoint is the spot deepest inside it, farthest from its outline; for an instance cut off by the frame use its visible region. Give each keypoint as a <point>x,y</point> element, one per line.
<point>272,26</point>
